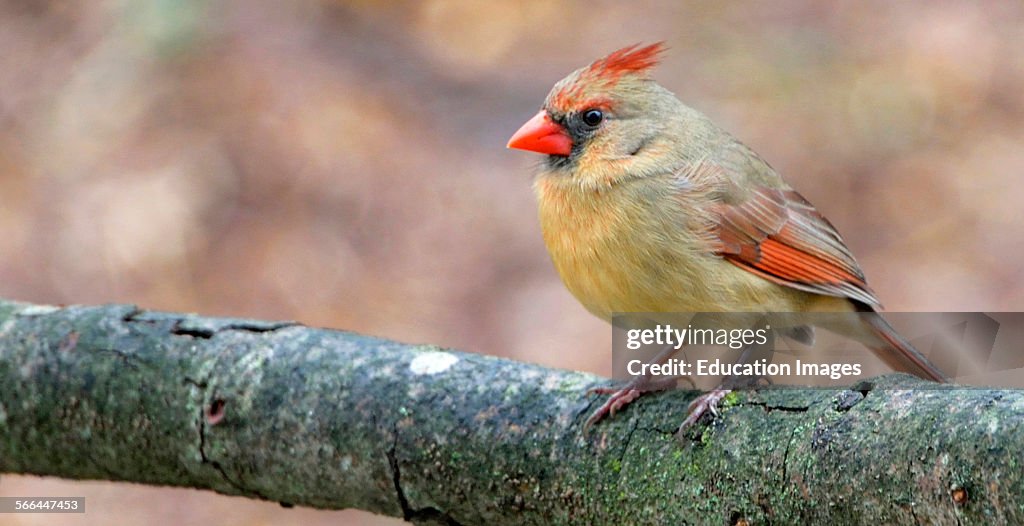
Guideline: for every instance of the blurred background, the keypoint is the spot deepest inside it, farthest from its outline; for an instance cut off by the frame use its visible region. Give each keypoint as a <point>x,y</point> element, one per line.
<point>343,164</point>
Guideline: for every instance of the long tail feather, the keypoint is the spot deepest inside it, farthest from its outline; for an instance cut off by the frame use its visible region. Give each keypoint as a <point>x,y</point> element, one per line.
<point>901,354</point>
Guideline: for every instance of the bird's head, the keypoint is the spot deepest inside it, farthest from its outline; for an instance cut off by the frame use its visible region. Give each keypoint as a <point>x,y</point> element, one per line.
<point>603,117</point>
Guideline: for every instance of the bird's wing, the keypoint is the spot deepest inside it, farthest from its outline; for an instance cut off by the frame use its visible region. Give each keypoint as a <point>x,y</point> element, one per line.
<point>778,235</point>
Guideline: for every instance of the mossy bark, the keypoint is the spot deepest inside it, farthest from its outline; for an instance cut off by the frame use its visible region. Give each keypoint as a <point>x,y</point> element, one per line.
<point>332,419</point>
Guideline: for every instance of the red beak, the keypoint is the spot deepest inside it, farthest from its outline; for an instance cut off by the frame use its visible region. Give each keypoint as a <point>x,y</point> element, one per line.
<point>542,135</point>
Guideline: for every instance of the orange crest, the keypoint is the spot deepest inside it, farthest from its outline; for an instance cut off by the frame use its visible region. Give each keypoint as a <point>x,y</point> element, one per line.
<point>605,72</point>
<point>630,59</point>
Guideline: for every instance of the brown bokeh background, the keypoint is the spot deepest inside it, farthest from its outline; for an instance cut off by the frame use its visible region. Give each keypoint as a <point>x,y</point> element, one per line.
<point>343,164</point>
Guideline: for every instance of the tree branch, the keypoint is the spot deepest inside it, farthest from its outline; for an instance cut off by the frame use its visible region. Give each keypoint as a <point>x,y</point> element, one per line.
<point>332,419</point>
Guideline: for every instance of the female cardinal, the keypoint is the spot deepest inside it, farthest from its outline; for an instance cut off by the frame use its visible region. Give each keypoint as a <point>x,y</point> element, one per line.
<point>647,206</point>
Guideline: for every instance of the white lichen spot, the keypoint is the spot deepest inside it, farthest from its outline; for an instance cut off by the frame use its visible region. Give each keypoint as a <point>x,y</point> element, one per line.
<point>432,362</point>
<point>552,382</point>
<point>37,310</point>
<point>346,462</point>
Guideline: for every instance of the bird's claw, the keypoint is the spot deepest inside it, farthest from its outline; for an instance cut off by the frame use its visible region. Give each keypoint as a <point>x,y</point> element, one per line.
<point>707,402</point>
<point>623,396</point>
<point>619,398</point>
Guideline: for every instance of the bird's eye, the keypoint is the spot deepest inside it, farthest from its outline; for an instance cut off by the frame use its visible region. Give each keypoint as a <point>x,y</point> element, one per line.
<point>592,117</point>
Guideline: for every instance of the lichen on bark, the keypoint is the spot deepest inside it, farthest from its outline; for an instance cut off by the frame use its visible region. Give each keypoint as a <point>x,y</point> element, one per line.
<point>332,419</point>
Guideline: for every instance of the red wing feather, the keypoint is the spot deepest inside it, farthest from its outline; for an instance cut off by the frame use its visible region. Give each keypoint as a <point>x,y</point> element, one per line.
<point>778,235</point>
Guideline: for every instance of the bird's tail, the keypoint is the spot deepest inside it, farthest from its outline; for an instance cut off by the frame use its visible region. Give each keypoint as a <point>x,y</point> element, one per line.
<point>898,353</point>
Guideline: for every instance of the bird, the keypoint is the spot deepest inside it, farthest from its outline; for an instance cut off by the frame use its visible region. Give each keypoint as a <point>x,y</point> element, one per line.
<point>646,205</point>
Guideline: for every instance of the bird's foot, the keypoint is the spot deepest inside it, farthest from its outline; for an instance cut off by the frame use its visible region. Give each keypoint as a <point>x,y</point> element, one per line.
<point>707,402</point>
<point>621,397</point>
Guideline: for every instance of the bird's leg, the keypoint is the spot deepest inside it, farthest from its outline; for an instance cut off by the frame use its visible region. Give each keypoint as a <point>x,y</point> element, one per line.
<point>708,402</point>
<point>702,404</point>
<point>622,396</point>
